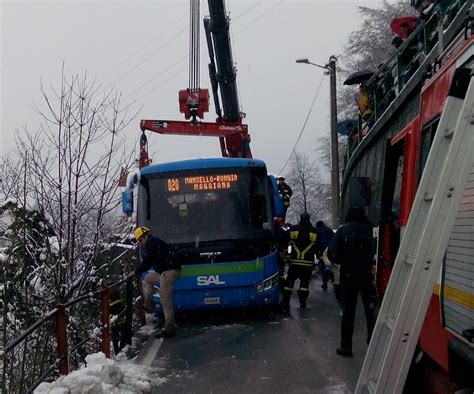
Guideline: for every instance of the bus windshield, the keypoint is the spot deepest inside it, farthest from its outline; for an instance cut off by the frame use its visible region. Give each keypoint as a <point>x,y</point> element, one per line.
<point>202,205</point>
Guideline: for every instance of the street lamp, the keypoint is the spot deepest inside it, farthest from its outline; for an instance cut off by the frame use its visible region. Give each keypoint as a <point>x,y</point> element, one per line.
<point>330,68</point>
<point>306,61</point>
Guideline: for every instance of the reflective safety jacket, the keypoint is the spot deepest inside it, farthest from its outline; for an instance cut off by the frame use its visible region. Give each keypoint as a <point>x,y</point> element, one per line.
<point>286,200</point>
<point>363,103</point>
<point>303,245</point>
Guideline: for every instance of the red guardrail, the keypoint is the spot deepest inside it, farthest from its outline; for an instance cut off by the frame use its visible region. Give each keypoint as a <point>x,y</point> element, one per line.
<point>62,362</point>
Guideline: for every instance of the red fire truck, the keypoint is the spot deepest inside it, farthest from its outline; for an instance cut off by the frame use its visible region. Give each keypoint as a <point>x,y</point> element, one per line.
<point>388,152</point>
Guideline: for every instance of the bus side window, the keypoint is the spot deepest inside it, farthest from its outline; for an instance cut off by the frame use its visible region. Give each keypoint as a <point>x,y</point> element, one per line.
<point>146,186</point>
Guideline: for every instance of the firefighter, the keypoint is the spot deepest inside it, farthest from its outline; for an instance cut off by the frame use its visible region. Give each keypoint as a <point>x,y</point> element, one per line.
<point>156,254</point>
<point>303,248</point>
<point>364,102</point>
<point>285,192</point>
<point>118,321</point>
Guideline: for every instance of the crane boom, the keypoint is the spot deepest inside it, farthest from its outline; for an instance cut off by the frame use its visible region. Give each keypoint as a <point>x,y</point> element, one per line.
<point>217,27</point>
<point>193,102</point>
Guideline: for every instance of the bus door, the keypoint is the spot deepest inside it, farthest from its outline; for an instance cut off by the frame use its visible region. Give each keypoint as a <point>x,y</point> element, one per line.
<point>398,192</point>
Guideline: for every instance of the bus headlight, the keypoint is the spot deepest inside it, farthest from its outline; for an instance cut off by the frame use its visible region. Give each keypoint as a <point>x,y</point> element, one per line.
<point>267,284</point>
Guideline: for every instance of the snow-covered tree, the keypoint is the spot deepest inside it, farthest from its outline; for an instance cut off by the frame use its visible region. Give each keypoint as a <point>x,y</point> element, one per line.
<point>310,193</point>
<point>63,178</point>
<point>323,150</point>
<point>72,166</point>
<point>366,48</point>
<point>25,295</point>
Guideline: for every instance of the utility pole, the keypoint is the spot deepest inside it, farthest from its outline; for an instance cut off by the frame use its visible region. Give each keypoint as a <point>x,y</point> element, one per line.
<point>331,69</point>
<point>334,145</point>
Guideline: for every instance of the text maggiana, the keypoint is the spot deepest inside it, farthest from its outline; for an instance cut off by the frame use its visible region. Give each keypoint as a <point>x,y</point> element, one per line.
<point>211,182</point>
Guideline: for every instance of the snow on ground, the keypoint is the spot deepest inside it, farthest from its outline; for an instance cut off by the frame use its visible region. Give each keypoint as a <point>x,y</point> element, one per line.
<point>103,376</point>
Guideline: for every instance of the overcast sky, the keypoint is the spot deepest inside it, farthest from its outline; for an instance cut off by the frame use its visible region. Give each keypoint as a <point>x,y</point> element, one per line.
<point>141,47</point>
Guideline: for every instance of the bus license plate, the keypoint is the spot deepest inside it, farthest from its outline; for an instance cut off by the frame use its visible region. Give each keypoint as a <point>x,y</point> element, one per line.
<point>212,300</point>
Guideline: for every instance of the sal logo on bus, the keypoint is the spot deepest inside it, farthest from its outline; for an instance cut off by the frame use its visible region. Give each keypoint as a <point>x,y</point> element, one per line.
<point>209,280</point>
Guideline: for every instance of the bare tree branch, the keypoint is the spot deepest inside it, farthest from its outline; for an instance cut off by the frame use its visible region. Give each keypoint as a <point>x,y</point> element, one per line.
<point>310,193</point>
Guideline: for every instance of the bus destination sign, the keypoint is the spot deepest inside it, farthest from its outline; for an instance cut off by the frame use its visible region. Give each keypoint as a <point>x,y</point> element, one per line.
<point>201,183</point>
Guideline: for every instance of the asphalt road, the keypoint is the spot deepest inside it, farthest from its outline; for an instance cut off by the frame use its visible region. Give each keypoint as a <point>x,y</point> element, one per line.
<point>257,352</point>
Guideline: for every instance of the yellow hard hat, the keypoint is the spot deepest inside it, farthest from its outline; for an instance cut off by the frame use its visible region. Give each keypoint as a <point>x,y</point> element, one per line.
<point>140,232</point>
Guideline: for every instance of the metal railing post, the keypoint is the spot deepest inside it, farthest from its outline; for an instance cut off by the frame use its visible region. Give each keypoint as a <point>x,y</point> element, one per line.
<point>129,312</point>
<point>61,338</point>
<point>105,320</point>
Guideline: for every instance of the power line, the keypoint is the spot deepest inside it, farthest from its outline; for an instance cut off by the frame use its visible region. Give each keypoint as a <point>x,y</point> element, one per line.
<point>158,50</point>
<point>246,26</point>
<point>185,56</point>
<point>259,17</point>
<point>179,71</point>
<point>159,75</point>
<point>304,125</point>
<point>149,56</point>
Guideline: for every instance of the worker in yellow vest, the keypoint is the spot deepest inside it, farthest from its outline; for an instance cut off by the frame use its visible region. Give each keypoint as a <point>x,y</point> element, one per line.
<point>303,249</point>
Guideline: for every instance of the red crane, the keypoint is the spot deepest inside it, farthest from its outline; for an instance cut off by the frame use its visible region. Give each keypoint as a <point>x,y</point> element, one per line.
<point>194,101</point>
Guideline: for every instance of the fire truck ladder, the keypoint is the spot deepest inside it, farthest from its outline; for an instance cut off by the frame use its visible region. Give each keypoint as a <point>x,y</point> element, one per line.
<point>423,244</point>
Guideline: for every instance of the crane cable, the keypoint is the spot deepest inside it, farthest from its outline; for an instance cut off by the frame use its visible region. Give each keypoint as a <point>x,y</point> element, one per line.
<point>179,71</point>
<point>304,125</point>
<point>144,60</point>
<point>194,45</point>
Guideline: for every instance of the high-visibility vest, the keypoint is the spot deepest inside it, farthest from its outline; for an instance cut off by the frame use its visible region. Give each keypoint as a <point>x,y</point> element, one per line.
<point>302,255</point>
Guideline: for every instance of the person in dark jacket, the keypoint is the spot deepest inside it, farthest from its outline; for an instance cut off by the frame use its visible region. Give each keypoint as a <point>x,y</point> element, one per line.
<point>325,235</point>
<point>352,249</point>
<point>406,59</point>
<point>118,319</point>
<point>156,254</point>
<point>303,249</point>
<point>282,238</point>
<point>285,192</point>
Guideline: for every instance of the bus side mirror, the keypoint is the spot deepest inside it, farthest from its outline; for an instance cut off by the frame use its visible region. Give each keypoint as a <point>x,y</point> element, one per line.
<point>127,202</point>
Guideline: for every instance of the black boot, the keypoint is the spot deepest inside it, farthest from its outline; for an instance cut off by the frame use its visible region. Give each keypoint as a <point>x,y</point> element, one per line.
<point>285,301</point>
<point>343,351</point>
<point>303,296</point>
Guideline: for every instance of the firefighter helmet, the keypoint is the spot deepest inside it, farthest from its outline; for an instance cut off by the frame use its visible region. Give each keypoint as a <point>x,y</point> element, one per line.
<point>139,232</point>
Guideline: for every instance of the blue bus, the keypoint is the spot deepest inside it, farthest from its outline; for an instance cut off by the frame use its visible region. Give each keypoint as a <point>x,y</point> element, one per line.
<point>217,214</point>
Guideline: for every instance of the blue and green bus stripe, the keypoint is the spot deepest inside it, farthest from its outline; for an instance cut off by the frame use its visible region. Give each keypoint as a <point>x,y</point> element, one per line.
<point>222,268</point>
